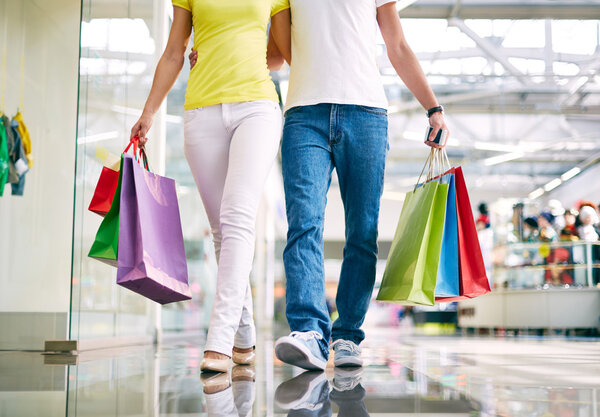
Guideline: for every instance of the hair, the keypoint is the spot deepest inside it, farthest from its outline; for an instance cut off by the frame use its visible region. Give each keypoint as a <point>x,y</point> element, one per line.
<point>483,208</point>
<point>531,222</point>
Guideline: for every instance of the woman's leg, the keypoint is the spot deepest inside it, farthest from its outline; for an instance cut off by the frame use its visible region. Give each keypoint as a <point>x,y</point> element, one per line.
<point>207,152</point>
<point>256,128</point>
<point>245,338</point>
<point>207,142</point>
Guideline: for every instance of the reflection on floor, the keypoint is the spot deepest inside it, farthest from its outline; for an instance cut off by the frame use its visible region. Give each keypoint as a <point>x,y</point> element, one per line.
<point>404,376</point>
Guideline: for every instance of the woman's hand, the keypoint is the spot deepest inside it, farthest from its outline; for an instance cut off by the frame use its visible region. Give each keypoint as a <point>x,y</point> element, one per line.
<point>193,58</point>
<point>437,122</point>
<point>141,128</point>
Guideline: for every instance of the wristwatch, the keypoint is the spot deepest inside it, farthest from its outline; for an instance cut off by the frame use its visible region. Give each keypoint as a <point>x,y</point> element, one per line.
<point>435,110</point>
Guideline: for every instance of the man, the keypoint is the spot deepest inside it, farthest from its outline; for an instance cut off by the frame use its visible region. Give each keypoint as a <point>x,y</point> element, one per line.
<point>336,118</point>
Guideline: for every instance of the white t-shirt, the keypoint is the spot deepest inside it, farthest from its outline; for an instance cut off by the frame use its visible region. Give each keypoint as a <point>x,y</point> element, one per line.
<point>334,53</point>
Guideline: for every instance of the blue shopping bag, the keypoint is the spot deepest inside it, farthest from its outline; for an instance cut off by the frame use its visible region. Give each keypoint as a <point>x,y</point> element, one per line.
<point>448,270</point>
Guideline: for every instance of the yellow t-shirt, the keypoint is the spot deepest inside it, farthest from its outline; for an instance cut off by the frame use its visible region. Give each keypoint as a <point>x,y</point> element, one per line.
<point>231,39</point>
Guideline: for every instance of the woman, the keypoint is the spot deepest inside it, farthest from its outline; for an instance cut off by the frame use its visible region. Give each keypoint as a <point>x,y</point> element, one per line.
<point>232,132</point>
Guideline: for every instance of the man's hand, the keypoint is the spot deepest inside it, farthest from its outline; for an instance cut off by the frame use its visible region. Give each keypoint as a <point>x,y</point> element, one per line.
<point>193,58</point>
<point>437,122</point>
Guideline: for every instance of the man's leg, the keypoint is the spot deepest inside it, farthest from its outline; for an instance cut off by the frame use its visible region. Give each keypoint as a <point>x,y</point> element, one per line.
<point>306,164</point>
<point>359,158</point>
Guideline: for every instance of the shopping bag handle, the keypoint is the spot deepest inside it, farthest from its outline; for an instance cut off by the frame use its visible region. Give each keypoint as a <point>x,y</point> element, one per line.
<point>134,141</point>
<point>437,159</point>
<point>138,150</point>
<point>144,159</point>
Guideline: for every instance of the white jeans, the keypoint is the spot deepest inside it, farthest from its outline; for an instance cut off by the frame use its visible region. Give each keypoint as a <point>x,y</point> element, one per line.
<point>235,401</point>
<point>230,148</point>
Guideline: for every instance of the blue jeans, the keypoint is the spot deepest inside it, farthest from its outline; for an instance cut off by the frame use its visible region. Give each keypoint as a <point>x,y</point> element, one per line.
<point>353,140</point>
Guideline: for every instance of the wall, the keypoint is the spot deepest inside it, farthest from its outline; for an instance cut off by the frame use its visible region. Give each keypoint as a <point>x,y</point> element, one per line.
<point>36,229</point>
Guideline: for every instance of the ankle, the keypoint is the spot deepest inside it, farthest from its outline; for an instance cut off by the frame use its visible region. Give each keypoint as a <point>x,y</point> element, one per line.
<point>209,354</point>
<point>243,350</point>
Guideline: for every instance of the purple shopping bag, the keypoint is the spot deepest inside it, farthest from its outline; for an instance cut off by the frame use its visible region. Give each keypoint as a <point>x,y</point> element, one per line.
<point>151,256</point>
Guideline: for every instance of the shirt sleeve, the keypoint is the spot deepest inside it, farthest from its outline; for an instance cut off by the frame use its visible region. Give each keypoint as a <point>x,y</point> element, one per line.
<point>380,3</point>
<point>278,5</point>
<point>184,4</point>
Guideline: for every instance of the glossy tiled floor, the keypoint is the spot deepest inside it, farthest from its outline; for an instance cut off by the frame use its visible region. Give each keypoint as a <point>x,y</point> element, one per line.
<point>406,375</point>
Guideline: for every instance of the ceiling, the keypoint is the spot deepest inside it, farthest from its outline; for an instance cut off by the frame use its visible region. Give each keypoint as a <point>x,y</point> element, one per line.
<point>522,94</point>
<point>520,81</point>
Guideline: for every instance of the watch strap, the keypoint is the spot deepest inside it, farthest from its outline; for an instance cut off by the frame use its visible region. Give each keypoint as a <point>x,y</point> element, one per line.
<point>435,110</point>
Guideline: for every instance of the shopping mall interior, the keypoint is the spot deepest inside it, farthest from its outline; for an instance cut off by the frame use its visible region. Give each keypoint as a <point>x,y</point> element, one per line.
<point>520,84</point>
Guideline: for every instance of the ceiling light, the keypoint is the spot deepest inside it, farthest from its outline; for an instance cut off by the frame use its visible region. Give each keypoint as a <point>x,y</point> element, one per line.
<point>494,160</point>
<point>552,184</point>
<point>492,146</point>
<point>536,193</point>
<point>98,137</point>
<point>570,173</point>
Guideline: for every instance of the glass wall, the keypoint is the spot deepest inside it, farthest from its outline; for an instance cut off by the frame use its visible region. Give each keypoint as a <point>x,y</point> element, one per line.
<point>39,46</point>
<point>120,46</point>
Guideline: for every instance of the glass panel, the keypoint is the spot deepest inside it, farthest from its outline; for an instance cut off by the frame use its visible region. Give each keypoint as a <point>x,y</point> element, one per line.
<point>39,46</point>
<point>116,66</point>
<point>545,265</point>
<point>120,45</point>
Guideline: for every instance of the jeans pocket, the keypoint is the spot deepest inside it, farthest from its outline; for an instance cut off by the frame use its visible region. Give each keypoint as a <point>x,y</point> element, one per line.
<point>292,111</point>
<point>373,110</point>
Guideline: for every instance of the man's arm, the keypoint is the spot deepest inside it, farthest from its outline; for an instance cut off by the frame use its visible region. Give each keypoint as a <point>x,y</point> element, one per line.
<point>407,65</point>
<point>274,57</point>
<point>281,34</point>
<point>279,45</point>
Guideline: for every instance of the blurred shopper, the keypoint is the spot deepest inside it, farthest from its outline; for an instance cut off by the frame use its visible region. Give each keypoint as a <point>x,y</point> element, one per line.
<point>530,230</point>
<point>570,229</point>
<point>486,238</point>
<point>232,135</point>
<point>557,210</point>
<point>483,220</point>
<point>589,220</point>
<point>336,117</point>
<point>547,232</point>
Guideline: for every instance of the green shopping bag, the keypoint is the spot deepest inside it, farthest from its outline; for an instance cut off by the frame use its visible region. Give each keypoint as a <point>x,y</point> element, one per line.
<point>106,243</point>
<point>411,270</point>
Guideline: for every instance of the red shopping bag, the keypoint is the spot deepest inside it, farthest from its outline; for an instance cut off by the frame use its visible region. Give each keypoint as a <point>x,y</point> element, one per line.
<point>106,187</point>
<point>473,278</point>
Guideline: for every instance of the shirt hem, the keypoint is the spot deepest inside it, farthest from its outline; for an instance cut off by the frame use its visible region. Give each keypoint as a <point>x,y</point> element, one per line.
<point>223,100</point>
<point>357,102</point>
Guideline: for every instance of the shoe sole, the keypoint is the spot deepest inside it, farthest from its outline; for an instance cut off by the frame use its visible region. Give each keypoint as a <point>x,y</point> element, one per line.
<point>290,351</point>
<point>348,362</point>
<point>290,396</point>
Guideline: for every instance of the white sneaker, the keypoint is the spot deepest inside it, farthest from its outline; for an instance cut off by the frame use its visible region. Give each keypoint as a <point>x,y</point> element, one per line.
<point>346,379</point>
<point>347,353</point>
<point>301,349</point>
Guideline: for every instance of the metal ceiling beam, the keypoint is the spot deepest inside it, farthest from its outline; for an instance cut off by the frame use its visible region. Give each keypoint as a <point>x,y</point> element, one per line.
<point>491,50</point>
<point>514,10</point>
<point>526,53</point>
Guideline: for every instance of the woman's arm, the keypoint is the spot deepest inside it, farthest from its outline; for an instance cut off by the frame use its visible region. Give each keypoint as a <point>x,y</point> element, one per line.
<point>168,69</point>
<point>407,65</point>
